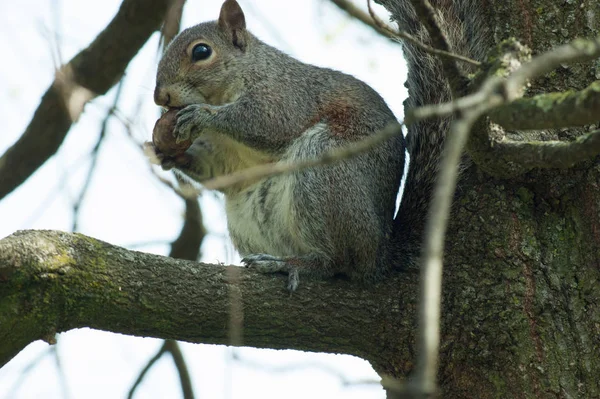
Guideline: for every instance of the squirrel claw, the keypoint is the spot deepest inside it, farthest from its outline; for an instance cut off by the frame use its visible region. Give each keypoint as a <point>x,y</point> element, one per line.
<point>191,120</point>
<point>184,125</point>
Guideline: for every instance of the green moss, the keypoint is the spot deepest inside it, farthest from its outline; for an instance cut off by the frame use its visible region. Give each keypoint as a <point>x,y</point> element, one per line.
<point>546,102</point>
<point>525,195</point>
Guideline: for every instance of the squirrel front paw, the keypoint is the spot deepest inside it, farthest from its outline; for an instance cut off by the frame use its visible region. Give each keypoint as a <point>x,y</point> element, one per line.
<point>191,121</point>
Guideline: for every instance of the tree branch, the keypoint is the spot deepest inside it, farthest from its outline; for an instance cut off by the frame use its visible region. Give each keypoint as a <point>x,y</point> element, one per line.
<point>327,158</point>
<point>355,12</point>
<point>90,73</point>
<point>410,38</point>
<point>549,154</point>
<point>551,110</point>
<point>495,157</point>
<point>428,18</point>
<point>172,24</point>
<point>161,351</point>
<point>173,348</point>
<point>52,281</point>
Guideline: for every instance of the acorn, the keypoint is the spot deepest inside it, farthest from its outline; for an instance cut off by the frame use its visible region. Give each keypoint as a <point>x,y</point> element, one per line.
<point>162,135</point>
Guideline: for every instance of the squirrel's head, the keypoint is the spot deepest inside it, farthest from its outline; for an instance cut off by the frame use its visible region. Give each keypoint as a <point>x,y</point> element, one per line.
<point>203,63</point>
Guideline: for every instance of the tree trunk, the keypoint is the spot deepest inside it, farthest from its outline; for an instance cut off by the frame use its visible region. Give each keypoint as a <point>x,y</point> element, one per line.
<point>521,302</point>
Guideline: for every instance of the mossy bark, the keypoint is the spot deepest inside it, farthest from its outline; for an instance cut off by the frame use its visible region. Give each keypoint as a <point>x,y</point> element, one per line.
<point>521,300</point>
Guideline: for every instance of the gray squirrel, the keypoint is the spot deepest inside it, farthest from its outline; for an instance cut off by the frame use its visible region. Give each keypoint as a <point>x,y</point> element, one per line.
<point>242,103</point>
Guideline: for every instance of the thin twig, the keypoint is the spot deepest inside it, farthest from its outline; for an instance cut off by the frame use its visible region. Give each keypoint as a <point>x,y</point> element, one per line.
<point>60,371</point>
<point>12,391</point>
<point>435,231</point>
<point>579,50</point>
<point>428,18</point>
<point>94,155</point>
<point>349,8</point>
<point>496,91</point>
<point>172,346</point>
<point>410,38</point>
<point>329,157</point>
<point>145,370</point>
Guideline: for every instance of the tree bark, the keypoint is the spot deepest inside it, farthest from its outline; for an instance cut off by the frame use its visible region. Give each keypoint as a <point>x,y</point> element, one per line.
<point>52,281</point>
<point>520,313</point>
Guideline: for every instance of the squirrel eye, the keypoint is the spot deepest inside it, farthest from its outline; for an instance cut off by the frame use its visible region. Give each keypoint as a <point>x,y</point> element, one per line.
<point>201,52</point>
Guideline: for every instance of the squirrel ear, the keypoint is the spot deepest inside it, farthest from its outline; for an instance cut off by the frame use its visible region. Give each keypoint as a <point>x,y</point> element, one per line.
<point>233,22</point>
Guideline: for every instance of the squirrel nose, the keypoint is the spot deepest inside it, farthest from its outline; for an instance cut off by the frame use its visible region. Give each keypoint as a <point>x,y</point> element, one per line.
<point>161,96</point>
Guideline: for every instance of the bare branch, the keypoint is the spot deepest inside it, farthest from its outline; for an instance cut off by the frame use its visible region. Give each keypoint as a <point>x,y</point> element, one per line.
<point>355,12</point>
<point>332,156</point>
<point>172,23</point>
<point>579,50</point>
<point>25,371</point>
<point>182,369</point>
<point>62,378</point>
<point>433,250</point>
<point>94,157</point>
<point>92,72</point>
<point>428,18</point>
<point>375,23</point>
<point>187,245</point>
<point>37,267</point>
<point>173,348</point>
<point>410,38</point>
<point>145,370</point>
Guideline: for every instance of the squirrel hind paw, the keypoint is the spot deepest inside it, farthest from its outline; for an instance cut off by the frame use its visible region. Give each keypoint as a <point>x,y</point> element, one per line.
<point>267,264</point>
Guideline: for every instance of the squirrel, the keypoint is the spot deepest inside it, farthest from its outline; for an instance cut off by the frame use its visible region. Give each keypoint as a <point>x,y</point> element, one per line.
<point>242,103</point>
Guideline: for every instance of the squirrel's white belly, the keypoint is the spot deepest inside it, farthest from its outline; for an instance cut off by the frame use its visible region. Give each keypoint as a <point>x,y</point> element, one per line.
<point>264,217</point>
<point>261,219</point>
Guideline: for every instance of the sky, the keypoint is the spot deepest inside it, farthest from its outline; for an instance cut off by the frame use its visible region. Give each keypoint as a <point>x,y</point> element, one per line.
<point>126,205</point>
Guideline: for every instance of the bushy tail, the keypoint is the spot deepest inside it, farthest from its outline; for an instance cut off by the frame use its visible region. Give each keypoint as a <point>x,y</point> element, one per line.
<point>427,85</point>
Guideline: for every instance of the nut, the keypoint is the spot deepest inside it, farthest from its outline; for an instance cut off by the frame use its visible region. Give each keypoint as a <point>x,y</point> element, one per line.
<point>162,135</point>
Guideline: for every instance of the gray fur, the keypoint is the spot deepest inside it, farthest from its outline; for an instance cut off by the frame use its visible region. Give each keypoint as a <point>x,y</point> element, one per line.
<point>427,85</point>
<point>252,104</point>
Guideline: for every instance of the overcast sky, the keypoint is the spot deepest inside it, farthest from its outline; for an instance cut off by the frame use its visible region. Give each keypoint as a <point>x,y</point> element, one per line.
<point>126,205</point>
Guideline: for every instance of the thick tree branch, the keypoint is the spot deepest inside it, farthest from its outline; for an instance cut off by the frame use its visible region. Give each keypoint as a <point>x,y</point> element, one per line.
<point>172,24</point>
<point>496,158</point>
<point>549,154</point>
<point>52,281</point>
<point>91,73</point>
<point>551,110</point>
